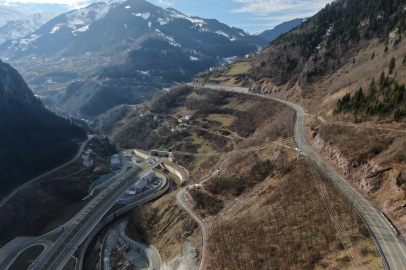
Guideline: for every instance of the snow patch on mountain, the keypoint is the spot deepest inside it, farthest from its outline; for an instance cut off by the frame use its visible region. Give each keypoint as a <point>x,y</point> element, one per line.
<point>8,14</point>
<point>194,58</point>
<point>176,14</point>
<point>81,16</point>
<point>144,15</point>
<point>82,29</point>
<point>127,7</point>
<point>170,39</point>
<point>20,28</point>
<point>24,43</point>
<point>257,33</point>
<point>162,21</point>
<point>56,28</point>
<point>144,72</point>
<point>222,33</point>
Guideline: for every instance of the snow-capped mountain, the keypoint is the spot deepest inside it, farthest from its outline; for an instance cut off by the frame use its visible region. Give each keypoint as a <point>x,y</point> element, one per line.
<point>19,28</point>
<point>123,46</point>
<point>8,14</point>
<point>118,25</point>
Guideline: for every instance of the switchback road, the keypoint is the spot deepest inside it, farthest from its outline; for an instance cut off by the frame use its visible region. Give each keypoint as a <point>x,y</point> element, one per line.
<point>388,244</point>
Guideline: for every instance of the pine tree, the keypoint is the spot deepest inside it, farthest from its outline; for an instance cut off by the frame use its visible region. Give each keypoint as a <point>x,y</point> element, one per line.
<point>392,65</point>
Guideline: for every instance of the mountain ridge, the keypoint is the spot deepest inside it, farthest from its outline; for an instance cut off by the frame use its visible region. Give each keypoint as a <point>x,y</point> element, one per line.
<point>19,28</point>
<point>32,139</point>
<point>271,34</point>
<point>8,14</point>
<point>121,52</point>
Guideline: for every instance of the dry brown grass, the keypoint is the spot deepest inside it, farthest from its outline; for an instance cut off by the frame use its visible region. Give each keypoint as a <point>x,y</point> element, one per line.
<point>165,225</point>
<point>283,224</point>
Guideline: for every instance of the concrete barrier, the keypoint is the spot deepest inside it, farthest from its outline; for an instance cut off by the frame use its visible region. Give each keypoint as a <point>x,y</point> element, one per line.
<point>150,253</point>
<point>177,170</point>
<point>115,215</point>
<point>141,154</point>
<point>180,172</point>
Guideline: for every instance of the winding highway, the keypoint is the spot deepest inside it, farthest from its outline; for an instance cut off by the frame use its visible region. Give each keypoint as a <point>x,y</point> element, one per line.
<point>388,244</point>
<point>57,256</point>
<point>72,234</point>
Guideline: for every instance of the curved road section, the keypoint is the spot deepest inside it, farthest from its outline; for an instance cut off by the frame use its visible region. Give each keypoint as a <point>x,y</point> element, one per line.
<point>45,174</point>
<point>384,236</point>
<point>179,198</point>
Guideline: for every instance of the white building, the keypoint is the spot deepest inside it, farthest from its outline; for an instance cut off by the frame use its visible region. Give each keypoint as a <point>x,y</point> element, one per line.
<point>115,162</point>
<point>149,177</point>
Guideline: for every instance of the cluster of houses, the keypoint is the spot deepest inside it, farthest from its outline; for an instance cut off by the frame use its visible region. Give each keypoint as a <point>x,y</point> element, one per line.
<point>87,161</point>
<point>182,126</point>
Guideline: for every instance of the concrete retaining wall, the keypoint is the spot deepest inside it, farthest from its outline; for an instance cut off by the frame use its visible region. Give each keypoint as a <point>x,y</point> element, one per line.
<point>150,253</point>
<point>142,154</point>
<point>113,216</point>
<point>179,171</point>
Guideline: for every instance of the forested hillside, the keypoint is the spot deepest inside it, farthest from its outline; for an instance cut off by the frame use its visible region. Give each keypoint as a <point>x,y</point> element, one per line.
<point>324,42</point>
<point>32,139</point>
<point>271,34</point>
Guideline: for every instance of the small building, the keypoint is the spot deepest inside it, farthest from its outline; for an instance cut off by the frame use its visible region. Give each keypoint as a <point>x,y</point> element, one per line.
<point>140,186</point>
<point>85,156</point>
<point>97,169</point>
<point>248,56</point>
<point>115,163</point>
<point>149,177</point>
<point>115,156</point>
<point>89,152</point>
<point>158,118</point>
<point>189,116</point>
<point>88,162</point>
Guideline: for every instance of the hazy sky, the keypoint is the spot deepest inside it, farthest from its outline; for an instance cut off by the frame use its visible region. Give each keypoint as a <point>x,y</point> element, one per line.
<point>250,15</point>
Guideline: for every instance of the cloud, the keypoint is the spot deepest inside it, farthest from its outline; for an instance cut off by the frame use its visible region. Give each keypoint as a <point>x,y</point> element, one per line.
<point>268,7</point>
<point>165,3</point>
<point>71,4</point>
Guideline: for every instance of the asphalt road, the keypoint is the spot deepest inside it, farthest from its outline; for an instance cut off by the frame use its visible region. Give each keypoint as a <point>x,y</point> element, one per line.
<point>66,249</point>
<point>388,244</point>
<point>5,199</point>
<point>13,254</point>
